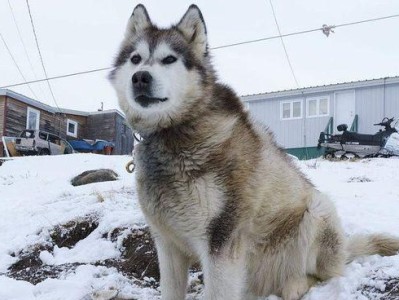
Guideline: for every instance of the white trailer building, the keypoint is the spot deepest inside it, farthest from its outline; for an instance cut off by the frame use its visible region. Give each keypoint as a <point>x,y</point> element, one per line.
<point>298,116</point>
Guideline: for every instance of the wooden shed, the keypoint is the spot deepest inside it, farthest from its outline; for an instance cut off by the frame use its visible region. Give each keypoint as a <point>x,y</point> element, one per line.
<point>18,112</point>
<point>106,125</point>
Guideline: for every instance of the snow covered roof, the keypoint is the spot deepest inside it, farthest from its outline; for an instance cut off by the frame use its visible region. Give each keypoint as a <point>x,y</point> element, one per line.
<point>85,113</point>
<point>40,105</point>
<point>321,88</point>
<point>27,100</point>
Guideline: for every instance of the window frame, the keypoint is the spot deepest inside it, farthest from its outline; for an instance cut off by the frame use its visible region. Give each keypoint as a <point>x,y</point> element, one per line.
<point>75,123</point>
<point>291,102</point>
<point>318,115</point>
<point>37,112</point>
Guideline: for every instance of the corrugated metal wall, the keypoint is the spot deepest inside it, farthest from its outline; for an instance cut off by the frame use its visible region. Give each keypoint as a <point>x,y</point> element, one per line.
<point>370,108</point>
<point>392,101</point>
<point>268,113</point>
<point>295,133</point>
<point>304,132</point>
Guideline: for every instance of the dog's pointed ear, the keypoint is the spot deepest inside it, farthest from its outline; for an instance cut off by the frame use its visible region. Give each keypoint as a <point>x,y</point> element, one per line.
<point>139,21</point>
<point>193,27</point>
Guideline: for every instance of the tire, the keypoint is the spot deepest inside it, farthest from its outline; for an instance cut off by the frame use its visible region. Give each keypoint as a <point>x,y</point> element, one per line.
<point>44,151</point>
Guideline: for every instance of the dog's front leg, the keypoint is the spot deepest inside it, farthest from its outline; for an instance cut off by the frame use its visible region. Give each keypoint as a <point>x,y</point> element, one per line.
<point>224,276</point>
<point>173,265</point>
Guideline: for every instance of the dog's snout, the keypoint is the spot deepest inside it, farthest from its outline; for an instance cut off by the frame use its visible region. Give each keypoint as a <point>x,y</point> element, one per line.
<point>141,79</point>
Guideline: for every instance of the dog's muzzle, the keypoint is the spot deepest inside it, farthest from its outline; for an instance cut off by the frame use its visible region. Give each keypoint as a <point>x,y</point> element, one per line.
<point>146,101</point>
<point>142,82</point>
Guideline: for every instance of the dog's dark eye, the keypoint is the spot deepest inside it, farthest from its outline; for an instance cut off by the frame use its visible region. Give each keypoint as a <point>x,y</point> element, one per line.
<point>136,59</point>
<point>169,60</point>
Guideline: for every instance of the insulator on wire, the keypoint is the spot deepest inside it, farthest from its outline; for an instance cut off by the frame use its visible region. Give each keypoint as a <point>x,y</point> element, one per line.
<point>327,29</point>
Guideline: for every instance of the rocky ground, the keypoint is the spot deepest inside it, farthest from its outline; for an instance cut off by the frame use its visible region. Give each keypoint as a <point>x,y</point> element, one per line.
<point>138,260</point>
<point>90,241</point>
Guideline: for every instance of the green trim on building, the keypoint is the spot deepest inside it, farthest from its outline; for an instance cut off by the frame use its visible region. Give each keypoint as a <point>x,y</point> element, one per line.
<point>306,152</point>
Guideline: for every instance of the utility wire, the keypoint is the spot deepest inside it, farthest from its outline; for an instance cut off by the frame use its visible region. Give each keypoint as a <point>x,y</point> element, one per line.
<point>282,42</point>
<point>217,47</point>
<point>366,21</point>
<point>303,32</point>
<point>56,77</point>
<point>16,64</point>
<point>23,45</point>
<point>40,55</point>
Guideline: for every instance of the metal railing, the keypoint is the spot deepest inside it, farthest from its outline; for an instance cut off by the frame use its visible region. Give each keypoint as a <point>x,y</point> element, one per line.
<point>355,124</point>
<point>330,126</point>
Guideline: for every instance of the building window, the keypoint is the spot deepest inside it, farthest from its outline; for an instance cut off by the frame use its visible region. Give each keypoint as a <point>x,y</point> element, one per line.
<point>72,128</point>
<point>32,119</point>
<point>317,107</point>
<point>291,110</point>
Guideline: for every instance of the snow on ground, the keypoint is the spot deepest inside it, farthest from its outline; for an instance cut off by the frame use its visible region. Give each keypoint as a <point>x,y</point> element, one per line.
<point>36,196</point>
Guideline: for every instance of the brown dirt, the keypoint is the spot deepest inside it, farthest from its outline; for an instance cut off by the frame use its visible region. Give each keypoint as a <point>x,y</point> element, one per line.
<point>69,234</point>
<point>138,258</point>
<point>138,255</point>
<point>391,291</point>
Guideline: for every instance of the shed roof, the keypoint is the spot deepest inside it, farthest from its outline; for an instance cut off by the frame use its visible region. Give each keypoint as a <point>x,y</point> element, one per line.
<point>321,88</point>
<point>85,113</point>
<point>40,105</point>
<point>27,100</point>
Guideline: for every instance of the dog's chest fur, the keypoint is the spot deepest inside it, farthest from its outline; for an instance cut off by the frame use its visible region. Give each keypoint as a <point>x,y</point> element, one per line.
<point>180,187</point>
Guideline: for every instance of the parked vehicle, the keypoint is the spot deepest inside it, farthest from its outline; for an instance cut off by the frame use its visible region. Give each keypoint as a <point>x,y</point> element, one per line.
<point>97,146</point>
<point>38,142</point>
<point>384,143</point>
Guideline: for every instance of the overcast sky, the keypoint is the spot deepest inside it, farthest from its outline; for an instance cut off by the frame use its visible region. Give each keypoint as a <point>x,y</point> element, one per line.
<point>79,35</point>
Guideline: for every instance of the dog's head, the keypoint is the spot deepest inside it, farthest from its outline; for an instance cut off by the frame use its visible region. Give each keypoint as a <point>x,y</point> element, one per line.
<point>160,75</point>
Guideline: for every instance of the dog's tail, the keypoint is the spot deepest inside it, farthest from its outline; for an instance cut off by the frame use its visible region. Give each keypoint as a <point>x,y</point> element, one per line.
<point>359,245</point>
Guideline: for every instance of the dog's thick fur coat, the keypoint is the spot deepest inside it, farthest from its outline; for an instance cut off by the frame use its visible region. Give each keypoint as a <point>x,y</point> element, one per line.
<point>213,185</point>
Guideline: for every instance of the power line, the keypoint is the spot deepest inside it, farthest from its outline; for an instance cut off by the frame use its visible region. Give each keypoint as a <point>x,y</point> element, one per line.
<point>15,63</point>
<point>57,77</point>
<point>23,44</point>
<point>40,55</point>
<point>366,21</point>
<point>303,32</point>
<point>219,47</point>
<point>282,42</point>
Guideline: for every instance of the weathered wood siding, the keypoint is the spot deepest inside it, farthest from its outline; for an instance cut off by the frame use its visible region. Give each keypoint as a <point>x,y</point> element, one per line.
<point>16,119</point>
<point>2,121</point>
<point>124,137</point>
<point>101,126</point>
<point>2,114</point>
<point>110,127</point>
<point>82,126</point>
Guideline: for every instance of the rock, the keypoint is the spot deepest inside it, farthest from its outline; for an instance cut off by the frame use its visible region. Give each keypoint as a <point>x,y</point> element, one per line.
<point>93,176</point>
<point>104,295</point>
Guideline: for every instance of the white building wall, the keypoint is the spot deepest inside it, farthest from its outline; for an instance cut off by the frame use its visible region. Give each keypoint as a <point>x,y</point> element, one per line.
<point>369,108</point>
<point>392,101</point>
<point>304,132</point>
<point>295,133</point>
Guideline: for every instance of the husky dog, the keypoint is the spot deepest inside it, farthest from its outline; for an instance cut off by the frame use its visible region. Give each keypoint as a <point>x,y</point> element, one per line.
<point>214,186</point>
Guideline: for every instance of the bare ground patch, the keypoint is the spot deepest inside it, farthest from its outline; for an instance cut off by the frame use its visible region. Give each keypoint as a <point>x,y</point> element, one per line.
<point>387,289</point>
<point>138,260</point>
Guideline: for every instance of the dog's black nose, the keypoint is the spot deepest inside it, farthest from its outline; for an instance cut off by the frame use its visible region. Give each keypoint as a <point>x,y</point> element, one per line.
<point>141,80</point>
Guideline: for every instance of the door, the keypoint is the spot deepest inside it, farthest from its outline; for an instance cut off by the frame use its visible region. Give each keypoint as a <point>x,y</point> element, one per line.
<point>55,144</point>
<point>344,111</point>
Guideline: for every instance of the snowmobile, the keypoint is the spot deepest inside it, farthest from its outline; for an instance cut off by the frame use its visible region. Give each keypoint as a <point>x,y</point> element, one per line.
<point>384,143</point>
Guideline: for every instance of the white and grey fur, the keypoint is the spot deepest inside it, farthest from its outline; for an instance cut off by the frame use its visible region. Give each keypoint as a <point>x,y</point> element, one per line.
<point>213,185</point>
